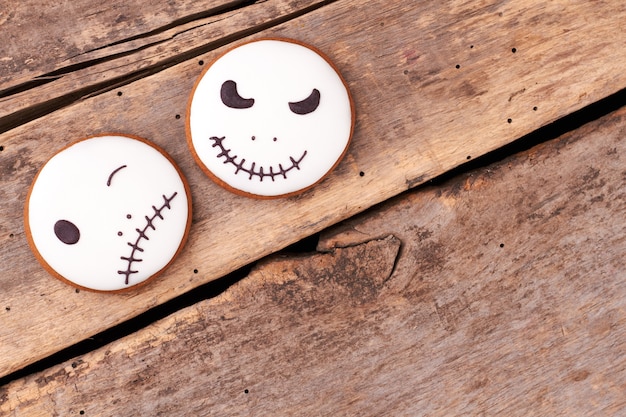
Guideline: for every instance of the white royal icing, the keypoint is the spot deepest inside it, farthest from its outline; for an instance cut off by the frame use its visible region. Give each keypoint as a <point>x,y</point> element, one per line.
<point>255,141</point>
<point>127,203</point>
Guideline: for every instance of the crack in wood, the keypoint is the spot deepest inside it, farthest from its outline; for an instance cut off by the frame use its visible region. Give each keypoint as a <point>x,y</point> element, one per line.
<point>28,85</point>
<point>39,110</point>
<point>224,8</point>
<point>396,260</point>
<point>68,69</point>
<point>207,291</point>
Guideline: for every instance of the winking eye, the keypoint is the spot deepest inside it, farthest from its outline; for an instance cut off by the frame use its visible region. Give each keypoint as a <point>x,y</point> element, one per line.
<point>113,173</point>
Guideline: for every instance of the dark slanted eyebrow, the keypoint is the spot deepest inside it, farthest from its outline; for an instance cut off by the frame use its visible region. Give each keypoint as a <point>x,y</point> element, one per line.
<point>113,173</point>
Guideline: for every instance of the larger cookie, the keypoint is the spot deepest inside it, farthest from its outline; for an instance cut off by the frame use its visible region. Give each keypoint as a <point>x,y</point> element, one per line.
<point>269,118</point>
<point>108,213</point>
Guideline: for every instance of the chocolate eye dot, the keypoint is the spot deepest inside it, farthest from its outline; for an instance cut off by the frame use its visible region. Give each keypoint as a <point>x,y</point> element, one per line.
<point>66,232</point>
<point>275,139</point>
<point>128,216</point>
<point>120,233</point>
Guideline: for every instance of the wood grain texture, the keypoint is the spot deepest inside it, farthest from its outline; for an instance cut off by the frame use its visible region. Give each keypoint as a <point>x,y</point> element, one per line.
<point>130,52</point>
<point>417,116</point>
<point>40,38</point>
<point>476,297</point>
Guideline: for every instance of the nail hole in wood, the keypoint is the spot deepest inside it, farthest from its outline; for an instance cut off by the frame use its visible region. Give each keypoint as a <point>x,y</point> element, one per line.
<point>201,62</point>
<point>8,308</point>
<point>246,391</point>
<point>509,120</point>
<point>1,148</point>
<point>457,66</point>
<point>119,94</point>
<point>195,271</point>
<point>469,157</point>
<point>501,245</point>
<point>535,108</point>
<point>361,174</point>
<point>514,50</point>
<point>177,116</point>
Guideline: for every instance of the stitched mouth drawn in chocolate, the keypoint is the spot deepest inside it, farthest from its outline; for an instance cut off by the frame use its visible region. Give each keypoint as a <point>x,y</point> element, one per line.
<point>142,235</point>
<point>261,172</point>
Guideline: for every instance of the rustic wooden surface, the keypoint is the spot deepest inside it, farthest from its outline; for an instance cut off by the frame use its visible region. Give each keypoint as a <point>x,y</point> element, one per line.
<point>418,115</point>
<point>499,292</point>
<point>94,50</point>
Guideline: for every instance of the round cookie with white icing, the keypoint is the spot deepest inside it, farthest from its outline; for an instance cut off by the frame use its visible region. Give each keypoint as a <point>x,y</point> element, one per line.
<point>269,118</point>
<point>108,212</point>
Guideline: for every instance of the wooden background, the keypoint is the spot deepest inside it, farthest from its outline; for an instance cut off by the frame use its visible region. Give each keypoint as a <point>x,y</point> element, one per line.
<point>498,291</point>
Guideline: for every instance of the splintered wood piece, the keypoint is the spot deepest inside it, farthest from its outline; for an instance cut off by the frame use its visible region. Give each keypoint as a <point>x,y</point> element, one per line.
<point>500,292</point>
<point>433,86</point>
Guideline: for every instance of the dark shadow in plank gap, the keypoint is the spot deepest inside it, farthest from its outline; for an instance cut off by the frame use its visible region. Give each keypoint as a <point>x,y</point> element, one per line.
<point>545,133</point>
<point>201,293</point>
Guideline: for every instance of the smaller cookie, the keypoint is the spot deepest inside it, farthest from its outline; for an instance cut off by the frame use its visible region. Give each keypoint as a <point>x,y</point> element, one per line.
<point>108,213</point>
<point>269,118</point>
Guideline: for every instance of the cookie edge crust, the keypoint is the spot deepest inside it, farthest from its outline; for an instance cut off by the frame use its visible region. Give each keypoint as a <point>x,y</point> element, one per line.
<point>53,272</point>
<point>235,190</point>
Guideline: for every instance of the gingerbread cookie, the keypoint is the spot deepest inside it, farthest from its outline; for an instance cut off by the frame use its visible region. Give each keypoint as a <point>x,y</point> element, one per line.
<point>108,212</point>
<point>269,118</point>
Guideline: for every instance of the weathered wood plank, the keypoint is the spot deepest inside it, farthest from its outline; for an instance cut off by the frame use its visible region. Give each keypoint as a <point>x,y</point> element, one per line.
<point>418,116</point>
<point>507,297</point>
<point>40,38</point>
<point>118,62</point>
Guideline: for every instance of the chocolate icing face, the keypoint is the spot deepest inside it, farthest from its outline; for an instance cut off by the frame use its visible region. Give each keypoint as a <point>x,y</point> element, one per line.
<point>108,212</point>
<point>269,118</point>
